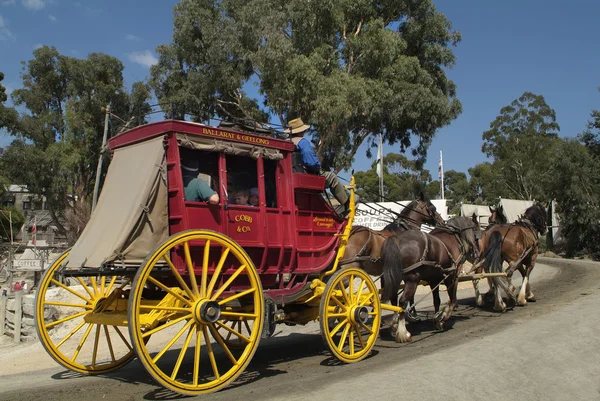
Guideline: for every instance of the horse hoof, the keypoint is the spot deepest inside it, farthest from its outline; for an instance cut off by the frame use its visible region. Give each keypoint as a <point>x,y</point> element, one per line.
<point>532,299</point>
<point>501,308</point>
<point>394,328</point>
<point>403,338</point>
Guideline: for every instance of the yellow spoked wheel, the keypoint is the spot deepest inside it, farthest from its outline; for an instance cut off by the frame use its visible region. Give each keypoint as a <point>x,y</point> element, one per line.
<point>64,325</point>
<point>350,315</point>
<point>214,315</point>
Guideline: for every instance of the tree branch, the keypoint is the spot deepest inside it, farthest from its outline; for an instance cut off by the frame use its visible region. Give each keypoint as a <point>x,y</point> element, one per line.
<point>362,135</point>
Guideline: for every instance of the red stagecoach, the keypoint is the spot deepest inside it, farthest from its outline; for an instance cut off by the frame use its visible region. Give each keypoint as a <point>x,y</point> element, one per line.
<point>198,285</point>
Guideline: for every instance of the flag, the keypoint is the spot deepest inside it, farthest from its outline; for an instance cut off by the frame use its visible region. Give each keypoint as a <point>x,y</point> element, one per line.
<point>380,158</point>
<point>440,167</point>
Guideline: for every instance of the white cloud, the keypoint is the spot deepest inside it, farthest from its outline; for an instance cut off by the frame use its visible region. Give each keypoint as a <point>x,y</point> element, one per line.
<point>5,33</point>
<point>9,2</point>
<point>145,58</point>
<point>51,17</point>
<point>34,4</point>
<point>132,38</point>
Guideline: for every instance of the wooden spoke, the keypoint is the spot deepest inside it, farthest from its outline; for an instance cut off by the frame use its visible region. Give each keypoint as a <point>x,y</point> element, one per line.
<point>204,269</point>
<point>342,287</point>
<point>239,315</point>
<point>216,273</point>
<point>172,341</point>
<point>351,341</point>
<point>87,306</point>
<point>111,284</point>
<point>85,336</point>
<point>167,289</point>
<point>166,325</point>
<point>97,292</point>
<point>211,355</point>
<point>109,343</point>
<point>122,337</point>
<point>364,301</point>
<point>219,339</point>
<point>228,282</point>
<point>95,351</point>
<point>190,268</point>
<point>344,336</point>
<point>164,308</point>
<point>71,291</point>
<point>197,353</point>
<point>75,330</point>
<point>232,331</point>
<point>85,287</point>
<point>66,319</point>
<point>102,284</point>
<point>338,327</point>
<point>183,351</point>
<point>334,315</point>
<point>236,296</point>
<point>360,339</point>
<point>178,277</point>
<point>337,301</point>
<point>360,290</point>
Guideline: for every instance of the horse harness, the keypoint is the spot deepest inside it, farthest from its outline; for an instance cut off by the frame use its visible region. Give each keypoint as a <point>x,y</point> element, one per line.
<point>424,262</point>
<point>359,256</point>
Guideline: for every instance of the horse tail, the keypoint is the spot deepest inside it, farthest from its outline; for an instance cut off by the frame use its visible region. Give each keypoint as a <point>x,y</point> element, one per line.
<point>392,267</point>
<point>493,253</point>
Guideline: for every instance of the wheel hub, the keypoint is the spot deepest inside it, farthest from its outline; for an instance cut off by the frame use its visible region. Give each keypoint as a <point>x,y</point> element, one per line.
<point>207,311</point>
<point>360,314</point>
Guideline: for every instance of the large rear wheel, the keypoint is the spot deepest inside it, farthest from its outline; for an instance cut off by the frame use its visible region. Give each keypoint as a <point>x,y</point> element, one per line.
<point>63,312</point>
<point>350,315</point>
<point>210,307</point>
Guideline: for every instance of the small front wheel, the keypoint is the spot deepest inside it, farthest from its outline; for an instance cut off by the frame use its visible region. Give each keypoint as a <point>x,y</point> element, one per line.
<point>350,315</point>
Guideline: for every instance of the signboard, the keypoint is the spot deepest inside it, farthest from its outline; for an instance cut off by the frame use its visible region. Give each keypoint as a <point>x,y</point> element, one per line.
<point>378,215</point>
<point>27,263</point>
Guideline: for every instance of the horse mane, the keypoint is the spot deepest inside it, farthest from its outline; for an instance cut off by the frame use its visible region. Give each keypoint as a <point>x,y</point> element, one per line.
<point>536,214</point>
<point>409,208</point>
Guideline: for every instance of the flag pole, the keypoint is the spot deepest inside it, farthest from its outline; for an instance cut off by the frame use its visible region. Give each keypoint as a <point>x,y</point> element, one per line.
<point>441,171</point>
<point>380,167</point>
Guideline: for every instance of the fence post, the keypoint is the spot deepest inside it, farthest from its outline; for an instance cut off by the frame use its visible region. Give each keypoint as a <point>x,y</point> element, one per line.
<point>18,315</point>
<point>3,301</point>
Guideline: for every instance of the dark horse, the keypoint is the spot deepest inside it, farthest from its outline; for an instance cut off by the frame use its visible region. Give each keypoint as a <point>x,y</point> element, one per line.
<point>517,244</point>
<point>497,215</point>
<point>437,257</point>
<point>364,245</point>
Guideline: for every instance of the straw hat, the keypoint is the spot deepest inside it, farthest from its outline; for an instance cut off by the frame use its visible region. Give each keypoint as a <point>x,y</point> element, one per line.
<point>296,126</point>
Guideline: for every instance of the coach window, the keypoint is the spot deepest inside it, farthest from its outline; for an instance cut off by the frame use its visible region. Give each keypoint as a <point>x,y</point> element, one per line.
<point>200,164</point>
<point>241,179</point>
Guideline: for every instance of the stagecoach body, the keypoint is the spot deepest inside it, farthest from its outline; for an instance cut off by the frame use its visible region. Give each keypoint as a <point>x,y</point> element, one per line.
<point>209,280</point>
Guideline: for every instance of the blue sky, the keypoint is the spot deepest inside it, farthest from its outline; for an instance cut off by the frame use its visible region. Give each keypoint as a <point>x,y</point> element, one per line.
<point>547,47</point>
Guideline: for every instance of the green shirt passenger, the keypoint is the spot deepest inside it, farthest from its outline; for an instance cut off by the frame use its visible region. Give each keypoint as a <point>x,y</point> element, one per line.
<point>194,188</point>
<point>198,191</point>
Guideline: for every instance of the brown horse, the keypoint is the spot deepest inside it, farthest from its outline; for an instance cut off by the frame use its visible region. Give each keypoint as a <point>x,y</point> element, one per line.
<point>517,244</point>
<point>437,257</point>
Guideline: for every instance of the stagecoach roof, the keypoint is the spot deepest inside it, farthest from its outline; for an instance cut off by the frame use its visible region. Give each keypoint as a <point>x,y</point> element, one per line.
<point>216,135</point>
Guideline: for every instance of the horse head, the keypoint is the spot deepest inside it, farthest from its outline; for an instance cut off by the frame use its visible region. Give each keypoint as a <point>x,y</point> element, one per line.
<point>537,215</point>
<point>425,211</point>
<point>497,215</point>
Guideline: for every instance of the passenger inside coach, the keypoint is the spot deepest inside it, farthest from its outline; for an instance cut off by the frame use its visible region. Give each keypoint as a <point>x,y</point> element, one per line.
<point>196,184</point>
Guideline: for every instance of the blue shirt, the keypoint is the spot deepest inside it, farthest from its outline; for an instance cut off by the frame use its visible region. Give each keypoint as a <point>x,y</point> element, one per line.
<point>309,158</point>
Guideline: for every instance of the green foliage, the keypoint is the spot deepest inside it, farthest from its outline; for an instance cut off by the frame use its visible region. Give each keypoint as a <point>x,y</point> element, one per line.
<point>591,136</point>
<point>521,140</point>
<point>403,179</point>
<point>8,215</point>
<point>353,69</point>
<point>60,134</point>
<point>8,115</point>
<point>576,188</point>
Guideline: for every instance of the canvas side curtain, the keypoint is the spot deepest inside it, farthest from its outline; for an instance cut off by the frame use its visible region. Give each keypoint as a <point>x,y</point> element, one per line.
<point>131,215</point>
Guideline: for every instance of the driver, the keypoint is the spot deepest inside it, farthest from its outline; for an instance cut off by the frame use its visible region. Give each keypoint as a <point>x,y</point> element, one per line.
<point>195,189</point>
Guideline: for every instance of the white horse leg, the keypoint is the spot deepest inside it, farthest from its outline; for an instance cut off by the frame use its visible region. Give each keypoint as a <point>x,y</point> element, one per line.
<point>402,335</point>
<point>522,300</point>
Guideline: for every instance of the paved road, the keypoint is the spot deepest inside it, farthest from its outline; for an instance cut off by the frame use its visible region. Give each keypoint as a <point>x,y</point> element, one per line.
<point>548,350</point>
